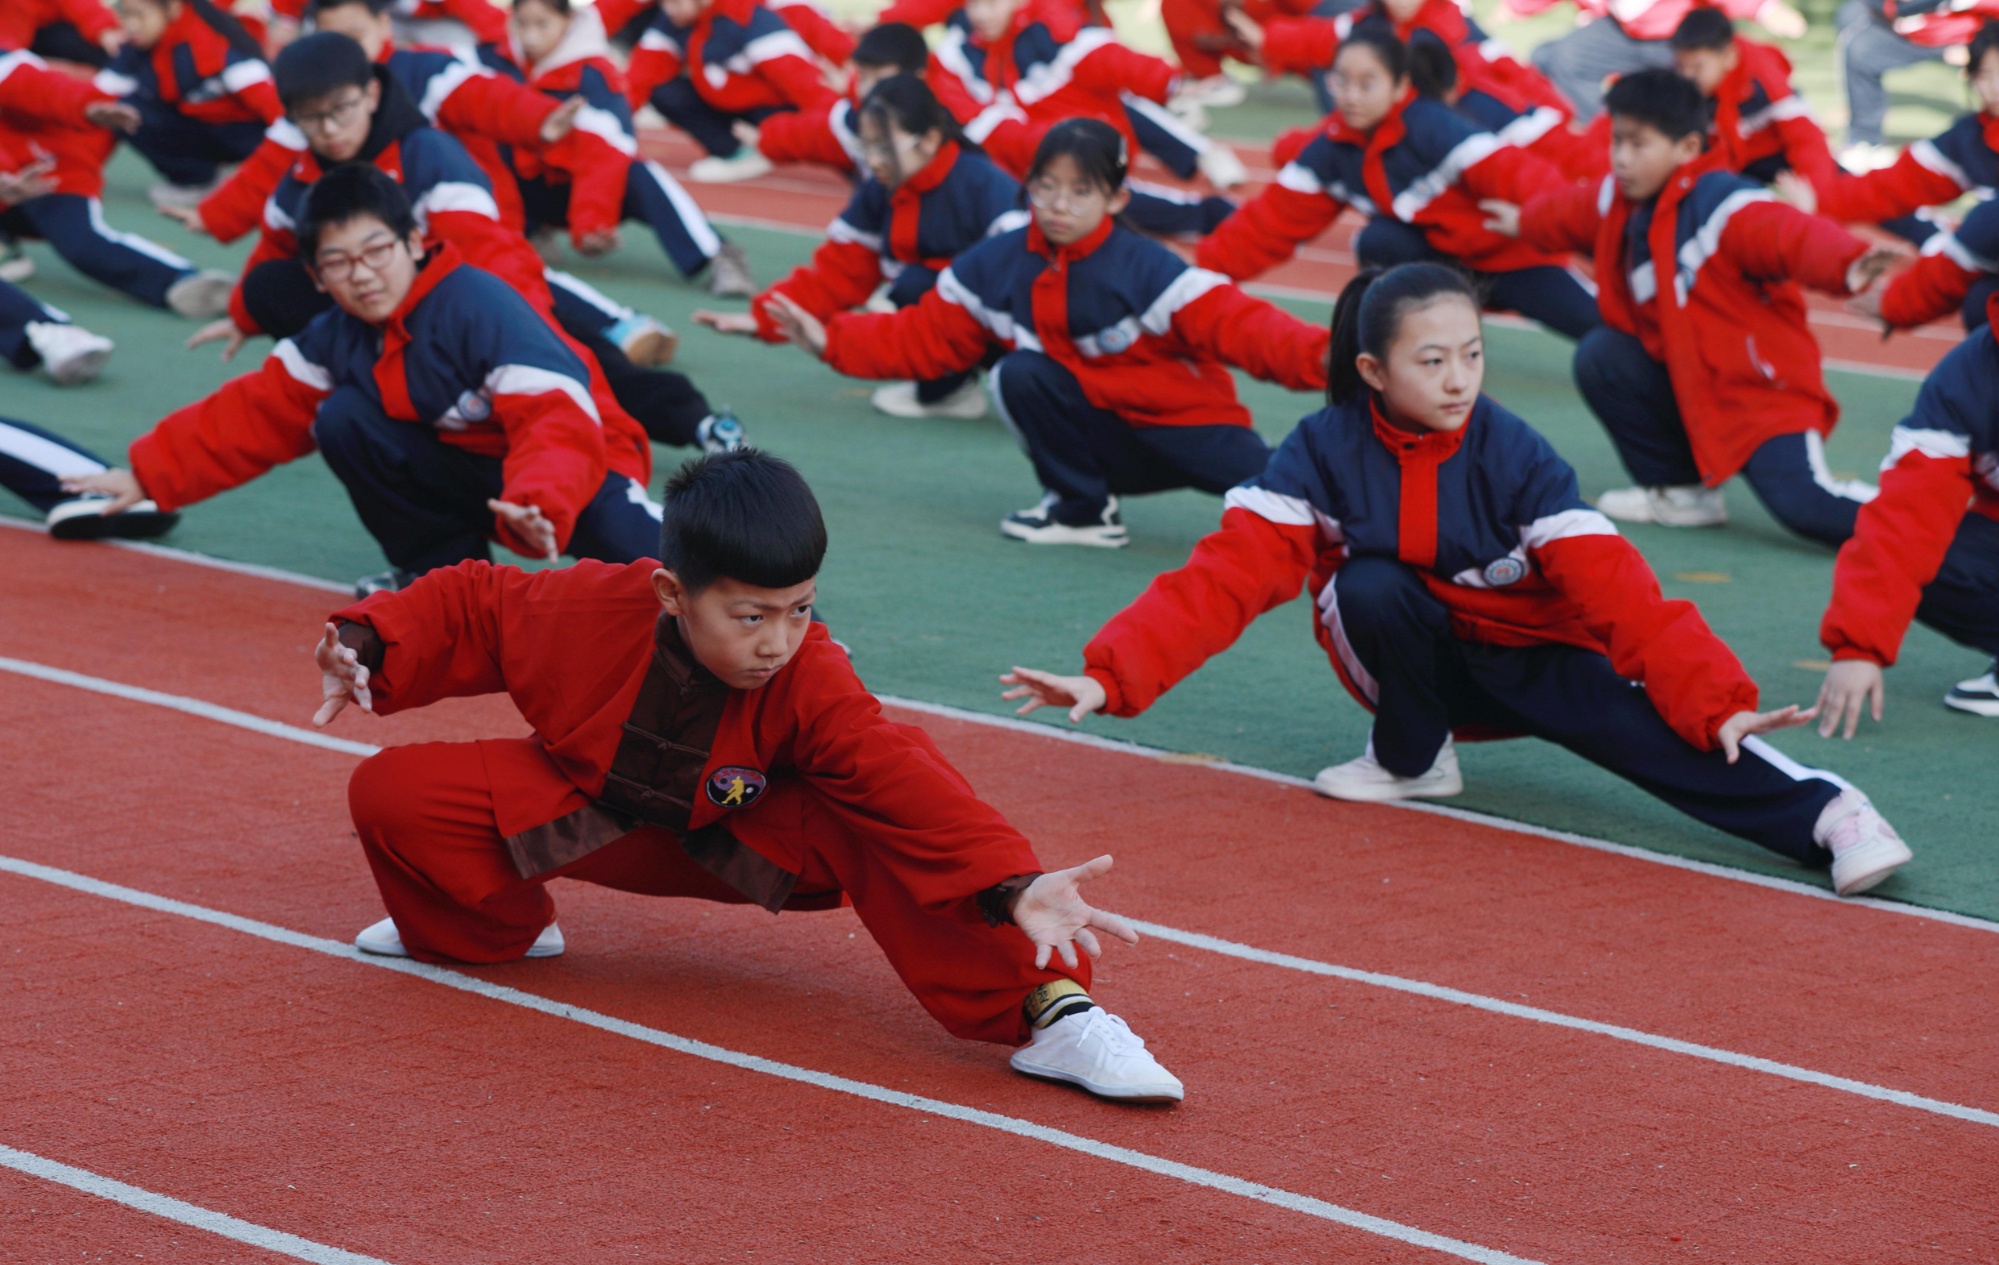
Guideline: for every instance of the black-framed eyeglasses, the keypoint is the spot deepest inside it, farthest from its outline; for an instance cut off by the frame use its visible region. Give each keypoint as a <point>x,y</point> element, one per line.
<point>340,267</point>
<point>324,120</point>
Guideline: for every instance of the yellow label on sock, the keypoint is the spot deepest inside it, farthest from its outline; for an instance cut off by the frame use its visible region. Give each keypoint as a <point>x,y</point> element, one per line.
<point>1043,1001</point>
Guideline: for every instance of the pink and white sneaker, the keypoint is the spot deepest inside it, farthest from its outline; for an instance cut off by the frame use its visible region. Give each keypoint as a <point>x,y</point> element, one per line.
<point>1865,848</point>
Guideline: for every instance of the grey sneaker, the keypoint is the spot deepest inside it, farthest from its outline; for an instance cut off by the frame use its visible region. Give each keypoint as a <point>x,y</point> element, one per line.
<point>729,274</point>
<point>70,354</point>
<point>390,581</point>
<point>201,296</point>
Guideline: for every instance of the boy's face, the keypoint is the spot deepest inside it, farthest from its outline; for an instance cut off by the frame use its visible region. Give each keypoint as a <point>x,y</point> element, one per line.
<point>336,125</point>
<point>741,633</point>
<point>1707,67</point>
<point>370,31</point>
<point>1643,158</point>
<point>366,268</point>
<point>684,12</point>
<point>990,18</point>
<point>145,21</point>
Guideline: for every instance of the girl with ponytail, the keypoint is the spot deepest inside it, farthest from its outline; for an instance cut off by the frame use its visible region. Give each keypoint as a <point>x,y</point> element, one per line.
<point>1462,587</point>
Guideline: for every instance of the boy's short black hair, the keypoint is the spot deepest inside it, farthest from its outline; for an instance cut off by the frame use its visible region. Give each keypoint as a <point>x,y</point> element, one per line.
<point>375,7</point>
<point>1982,43</point>
<point>1660,99</point>
<point>314,67</point>
<point>896,44</point>
<point>350,192</point>
<point>743,515</point>
<point>1708,29</point>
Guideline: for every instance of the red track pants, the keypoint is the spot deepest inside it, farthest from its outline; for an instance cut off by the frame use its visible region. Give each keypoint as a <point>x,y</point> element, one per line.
<point>425,817</point>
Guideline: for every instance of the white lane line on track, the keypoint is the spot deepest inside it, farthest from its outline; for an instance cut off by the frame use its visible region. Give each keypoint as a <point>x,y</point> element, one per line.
<point>1142,1160</point>
<point>1311,966</point>
<point>217,1223</point>
<point>1708,868</point>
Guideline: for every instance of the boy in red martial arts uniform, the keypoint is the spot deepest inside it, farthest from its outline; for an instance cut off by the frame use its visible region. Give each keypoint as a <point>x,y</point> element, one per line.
<point>714,743</point>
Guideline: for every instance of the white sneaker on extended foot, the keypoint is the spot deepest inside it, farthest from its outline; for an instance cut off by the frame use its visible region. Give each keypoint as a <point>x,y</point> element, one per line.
<point>1220,165</point>
<point>1220,91</point>
<point>201,296</point>
<point>1979,695</point>
<point>84,519</point>
<point>15,265</point>
<point>645,342</point>
<point>383,940</point>
<point>899,399</point>
<point>1100,1052</point>
<point>747,164</point>
<point>1862,157</point>
<point>1365,780</point>
<point>70,353</point>
<point>1037,526</point>
<point>183,197</point>
<point>1690,505</point>
<point>1865,848</point>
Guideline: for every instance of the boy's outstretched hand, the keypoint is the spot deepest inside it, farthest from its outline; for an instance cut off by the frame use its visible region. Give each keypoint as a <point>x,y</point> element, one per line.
<point>1080,694</point>
<point>1054,915</point>
<point>528,525</point>
<point>797,324</point>
<point>727,322</point>
<point>1502,218</point>
<point>1861,273</point>
<point>343,678</point>
<point>1851,687</point>
<point>1743,724</point>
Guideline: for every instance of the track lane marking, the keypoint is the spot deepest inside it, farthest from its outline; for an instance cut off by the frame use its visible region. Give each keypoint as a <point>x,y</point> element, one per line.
<point>217,1223</point>
<point>1194,939</point>
<point>1142,1160</point>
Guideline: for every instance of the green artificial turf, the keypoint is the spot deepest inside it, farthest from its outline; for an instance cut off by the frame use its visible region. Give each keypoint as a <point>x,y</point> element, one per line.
<point>936,604</point>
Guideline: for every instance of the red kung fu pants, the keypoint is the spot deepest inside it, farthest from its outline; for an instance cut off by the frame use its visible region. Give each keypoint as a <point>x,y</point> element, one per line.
<point>425,817</point>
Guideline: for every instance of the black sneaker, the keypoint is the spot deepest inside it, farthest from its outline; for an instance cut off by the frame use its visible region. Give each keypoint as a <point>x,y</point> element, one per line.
<point>1979,696</point>
<point>390,581</point>
<point>84,519</point>
<point>1037,526</point>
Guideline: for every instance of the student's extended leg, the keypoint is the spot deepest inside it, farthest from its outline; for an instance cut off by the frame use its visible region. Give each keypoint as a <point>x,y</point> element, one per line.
<point>35,335</point>
<point>654,197</point>
<point>1789,475</point>
<point>620,524</point>
<point>1163,136</point>
<point>33,464</point>
<point>1632,395</point>
<point>1547,293</point>
<point>685,108</point>
<point>75,226</point>
<point>1167,212</point>
<point>422,500</point>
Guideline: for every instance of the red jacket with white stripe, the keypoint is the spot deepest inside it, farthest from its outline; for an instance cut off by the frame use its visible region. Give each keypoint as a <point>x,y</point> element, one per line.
<point>1489,517</point>
<point>1761,125</point>
<point>487,21</point>
<point>1939,23</point>
<point>198,71</point>
<point>1643,19</point>
<point>41,116</point>
<point>1953,261</point>
<point>738,54</point>
<point>1148,337</point>
<point>1306,46</point>
<point>1942,458</point>
<point>1964,158</point>
<point>1728,319</point>
<point>21,19</point>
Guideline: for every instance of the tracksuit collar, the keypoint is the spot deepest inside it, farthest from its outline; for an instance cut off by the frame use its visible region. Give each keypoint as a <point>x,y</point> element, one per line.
<point>1075,250</point>
<point>1409,446</point>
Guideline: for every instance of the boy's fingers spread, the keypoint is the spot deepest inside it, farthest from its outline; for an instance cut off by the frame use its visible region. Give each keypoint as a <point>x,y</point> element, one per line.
<point>1089,942</point>
<point>1113,924</point>
<point>1068,955</point>
<point>1096,867</point>
<point>1041,952</point>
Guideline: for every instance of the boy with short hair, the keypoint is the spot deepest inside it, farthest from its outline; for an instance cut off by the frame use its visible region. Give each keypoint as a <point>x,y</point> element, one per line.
<point>828,133</point>
<point>1704,365</point>
<point>1759,126</point>
<point>714,744</point>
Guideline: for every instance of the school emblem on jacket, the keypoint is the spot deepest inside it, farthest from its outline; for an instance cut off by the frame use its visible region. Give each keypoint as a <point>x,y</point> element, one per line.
<point>1116,340</point>
<point>735,787</point>
<point>1501,572</point>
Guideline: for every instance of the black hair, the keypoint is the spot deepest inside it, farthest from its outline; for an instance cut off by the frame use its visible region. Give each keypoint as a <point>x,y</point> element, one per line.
<point>907,102</point>
<point>375,8</point>
<point>1433,68</point>
<point>1376,35</point>
<point>1369,316</point>
<point>560,6</point>
<point>349,192</point>
<point>225,24</point>
<point>1982,43</point>
<point>1097,148</point>
<point>314,67</point>
<point>742,515</point>
<point>896,44</point>
<point>1703,29</point>
<point>1660,99</point>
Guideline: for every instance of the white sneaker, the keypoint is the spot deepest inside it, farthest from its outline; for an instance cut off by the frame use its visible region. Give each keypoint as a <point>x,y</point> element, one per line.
<point>1100,1052</point>
<point>383,940</point>
<point>1365,780</point>
<point>201,296</point>
<point>1219,91</point>
<point>15,264</point>
<point>645,342</point>
<point>70,354</point>
<point>898,399</point>
<point>1865,848</point>
<point>1862,157</point>
<point>1037,526</point>
<point>84,519</point>
<point>1979,695</point>
<point>1222,168</point>
<point>180,196</point>
<point>1689,505</point>
<point>747,164</point>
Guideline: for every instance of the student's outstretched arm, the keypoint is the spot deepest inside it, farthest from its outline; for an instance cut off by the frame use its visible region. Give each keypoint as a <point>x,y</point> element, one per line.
<point>937,336</point>
<point>237,205</point>
<point>1268,229</point>
<point>1775,241</point>
<point>1259,338</point>
<point>1921,177</point>
<point>1565,218</point>
<point>438,638</point>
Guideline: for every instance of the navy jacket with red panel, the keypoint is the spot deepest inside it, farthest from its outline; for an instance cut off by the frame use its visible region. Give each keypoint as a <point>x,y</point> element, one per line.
<point>957,201</point>
<point>464,355</point>
<point>199,70</point>
<point>1761,126</point>
<point>1148,337</point>
<point>739,55</point>
<point>41,117</point>
<point>1724,314</point>
<point>1964,158</point>
<point>1489,517</point>
<point>1425,165</point>
<point>1942,458</point>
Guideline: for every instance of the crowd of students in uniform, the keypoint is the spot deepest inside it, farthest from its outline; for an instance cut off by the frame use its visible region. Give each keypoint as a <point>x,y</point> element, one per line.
<point>996,246</point>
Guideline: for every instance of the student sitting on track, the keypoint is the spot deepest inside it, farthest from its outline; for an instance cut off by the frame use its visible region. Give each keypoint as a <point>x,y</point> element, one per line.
<point>446,404</point>
<point>1416,169</point>
<point>1705,365</point>
<point>1758,125</point>
<point>33,464</point>
<point>1115,374</point>
<point>927,199</point>
<point>1463,586</point>
<point>715,744</point>
<point>1926,548</point>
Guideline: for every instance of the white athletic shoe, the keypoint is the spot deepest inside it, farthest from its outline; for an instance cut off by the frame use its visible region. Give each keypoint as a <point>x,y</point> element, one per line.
<point>1222,168</point>
<point>1097,1050</point>
<point>383,940</point>
<point>201,296</point>
<point>15,264</point>
<point>84,519</point>
<point>183,197</point>
<point>1865,848</point>
<point>747,164</point>
<point>70,353</point>
<point>898,399</point>
<point>1037,526</point>
<point>1219,91</point>
<point>1979,695</point>
<point>1365,780</point>
<point>1690,505</point>
<point>729,275</point>
<point>1191,112</point>
<point>1862,157</point>
<point>645,342</point>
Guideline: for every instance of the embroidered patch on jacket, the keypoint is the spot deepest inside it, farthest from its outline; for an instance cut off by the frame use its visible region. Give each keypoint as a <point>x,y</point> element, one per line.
<point>1501,572</point>
<point>735,787</point>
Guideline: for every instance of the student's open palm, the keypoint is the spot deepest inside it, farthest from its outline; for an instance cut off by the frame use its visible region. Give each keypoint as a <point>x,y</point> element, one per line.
<point>560,120</point>
<point>797,324</point>
<point>1861,273</point>
<point>1743,724</point>
<point>1052,913</point>
<point>343,678</point>
<point>533,535</point>
<point>727,322</point>
<point>1080,694</point>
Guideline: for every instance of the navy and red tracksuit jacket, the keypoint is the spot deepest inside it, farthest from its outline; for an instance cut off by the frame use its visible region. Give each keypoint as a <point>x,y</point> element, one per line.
<point>1148,337</point>
<point>1938,23</point>
<point>1643,19</point>
<point>486,20</point>
<point>1953,260</point>
<point>1942,458</point>
<point>21,20</point>
<point>739,55</point>
<point>1963,159</point>
<point>1725,314</point>
<point>827,133</point>
<point>41,117</point>
<point>957,201</point>
<point>199,71</point>
<point>1489,517</point>
<point>1425,165</point>
<point>1306,46</point>
<point>1761,126</point>
<point>464,355</point>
